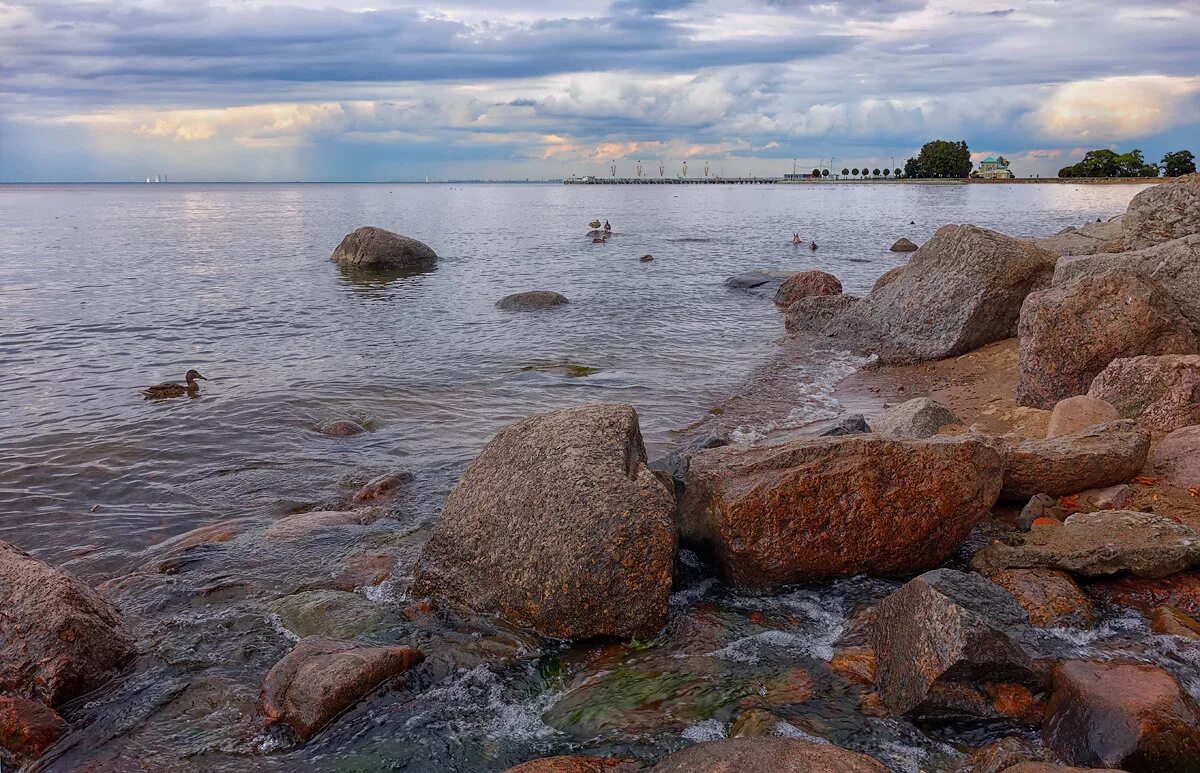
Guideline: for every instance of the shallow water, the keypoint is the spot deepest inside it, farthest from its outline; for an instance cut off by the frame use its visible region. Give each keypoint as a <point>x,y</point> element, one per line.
<point>106,289</point>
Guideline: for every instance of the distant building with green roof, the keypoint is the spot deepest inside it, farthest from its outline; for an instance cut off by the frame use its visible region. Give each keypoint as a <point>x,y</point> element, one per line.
<point>992,168</point>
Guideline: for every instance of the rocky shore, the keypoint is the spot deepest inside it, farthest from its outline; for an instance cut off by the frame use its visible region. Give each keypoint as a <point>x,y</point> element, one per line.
<point>1027,459</point>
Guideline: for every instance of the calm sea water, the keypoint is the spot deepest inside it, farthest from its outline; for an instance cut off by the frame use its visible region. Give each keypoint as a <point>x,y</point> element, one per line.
<point>106,289</point>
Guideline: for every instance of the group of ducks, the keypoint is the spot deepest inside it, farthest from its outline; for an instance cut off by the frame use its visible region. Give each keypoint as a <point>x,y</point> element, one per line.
<point>595,225</point>
<point>796,240</point>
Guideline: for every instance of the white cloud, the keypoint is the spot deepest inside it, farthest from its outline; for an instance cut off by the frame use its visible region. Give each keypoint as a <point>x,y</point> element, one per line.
<point>1118,108</point>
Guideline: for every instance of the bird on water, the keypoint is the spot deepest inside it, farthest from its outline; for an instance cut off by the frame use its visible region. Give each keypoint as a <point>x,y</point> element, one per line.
<point>171,389</point>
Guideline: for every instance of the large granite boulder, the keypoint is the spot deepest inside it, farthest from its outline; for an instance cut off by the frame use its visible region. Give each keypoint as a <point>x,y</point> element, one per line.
<point>1099,544</point>
<point>559,527</point>
<point>374,248</point>
<point>320,678</point>
<point>58,638</point>
<point>1070,333</point>
<point>962,289</point>
<point>805,285</point>
<point>887,277</point>
<point>1078,413</point>
<point>941,638</point>
<point>1099,456</point>
<point>1163,212</point>
<point>1085,240</point>
<point>533,300</point>
<point>916,418</point>
<point>1162,393</point>
<point>819,508</point>
<point>814,313</point>
<point>1177,458</point>
<point>1174,265</point>
<point>769,753</point>
<point>1131,716</point>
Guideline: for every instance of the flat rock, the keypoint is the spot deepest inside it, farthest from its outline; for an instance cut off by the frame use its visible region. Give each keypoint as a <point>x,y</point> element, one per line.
<point>820,508</point>
<point>332,613</point>
<point>806,284</point>
<point>320,678</point>
<point>813,314</point>
<point>1144,594</point>
<point>27,728</point>
<point>1070,333</point>
<point>1075,414</point>
<point>1085,240</point>
<point>769,753</point>
<point>559,527</point>
<point>1050,598</point>
<point>916,418</point>
<point>1129,716</point>
<point>903,245</point>
<point>1162,393</point>
<point>760,281</point>
<point>1177,458</point>
<point>534,300</point>
<point>1170,621</point>
<point>1001,755</point>
<point>1099,544</point>
<point>305,524</point>
<point>59,639</point>
<point>1163,212</point>
<point>374,248</point>
<point>1102,455</point>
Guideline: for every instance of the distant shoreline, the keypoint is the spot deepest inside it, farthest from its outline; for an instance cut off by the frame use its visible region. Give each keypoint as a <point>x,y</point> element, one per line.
<point>632,181</point>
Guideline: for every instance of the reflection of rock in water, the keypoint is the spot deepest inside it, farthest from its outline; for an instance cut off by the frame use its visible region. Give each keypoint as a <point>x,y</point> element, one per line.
<point>372,283</point>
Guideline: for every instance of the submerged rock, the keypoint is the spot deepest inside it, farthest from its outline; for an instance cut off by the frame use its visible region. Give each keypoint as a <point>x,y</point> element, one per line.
<point>559,526</point>
<point>576,764</point>
<point>1162,393</point>
<point>374,248</point>
<point>320,678</point>
<point>341,428</point>
<point>1177,458</point>
<point>1075,414</point>
<point>760,281</point>
<point>383,486</point>
<point>770,753</point>
<point>304,524</point>
<point>58,639</point>
<point>1100,456</point>
<point>1002,755</point>
<point>903,245</point>
<point>1050,598</point>
<point>27,728</point>
<point>1167,211</point>
<point>332,613</point>
<point>534,300</point>
<point>1130,716</point>
<point>806,284</point>
<point>1070,333</point>
<point>916,418</point>
<point>819,508</point>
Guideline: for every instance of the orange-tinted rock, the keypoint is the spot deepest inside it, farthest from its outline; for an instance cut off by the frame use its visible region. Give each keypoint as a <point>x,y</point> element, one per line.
<point>1050,598</point>
<point>575,764</point>
<point>871,704</point>
<point>771,753</point>
<point>820,508</point>
<point>1181,591</point>
<point>363,570</point>
<point>1049,767</point>
<point>1001,755</point>
<point>754,722</point>
<point>1171,622</point>
<point>805,285</point>
<point>1098,456</point>
<point>1016,702</point>
<point>856,664</point>
<point>304,524</point>
<point>1132,716</point>
<point>28,728</point>
<point>320,678</point>
<point>1162,393</point>
<point>788,688</point>
<point>383,486</point>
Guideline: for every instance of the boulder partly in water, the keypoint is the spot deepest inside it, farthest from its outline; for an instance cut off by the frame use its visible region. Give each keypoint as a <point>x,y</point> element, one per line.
<point>374,248</point>
<point>806,284</point>
<point>903,245</point>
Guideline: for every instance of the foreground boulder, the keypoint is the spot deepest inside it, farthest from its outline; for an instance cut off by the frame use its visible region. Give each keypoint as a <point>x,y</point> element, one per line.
<point>1070,333</point>
<point>916,418</point>
<point>1099,544</point>
<point>806,284</point>
<point>770,753</point>
<point>820,508</point>
<point>320,678</point>
<point>58,638</point>
<point>27,728</point>
<point>903,245</point>
<point>815,313</point>
<point>374,248</point>
<point>559,526</point>
<point>1161,393</point>
<point>943,636</point>
<point>1050,598</point>
<point>887,277</point>
<point>1177,458</point>
<point>1100,456</point>
<point>1075,414</point>
<point>1163,212</point>
<point>534,300</point>
<point>1129,716</point>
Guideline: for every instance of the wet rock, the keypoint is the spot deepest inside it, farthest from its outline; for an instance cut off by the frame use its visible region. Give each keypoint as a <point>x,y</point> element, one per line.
<point>1177,458</point>
<point>374,248</point>
<point>1170,621</point>
<point>341,428</point>
<point>1000,755</point>
<point>59,638</point>
<point>305,524</point>
<point>1100,456</point>
<point>1162,213</point>
<point>1162,393</point>
<point>1085,240</point>
<point>805,285</point>
<point>943,636</point>
<point>759,281</point>
<point>962,289</point>
<point>889,276</point>
<point>813,314</point>
<point>1049,767</point>
<point>576,764</point>
<point>776,754</point>
<point>1050,598</point>
<point>855,664</point>
<point>916,418</point>
<point>1175,266</point>
<point>533,300</point>
<point>1075,414</point>
<point>854,424</point>
<point>363,570</point>
<point>754,723</point>
<point>559,526</point>
<point>819,508</point>
<point>676,462</point>
<point>1070,333</point>
<point>332,613</point>
<point>320,678</point>
<point>383,486</point>
<point>1039,506</point>
<point>1181,591</point>
<point>1099,544</point>
<point>903,245</point>
<point>27,728</point>
<point>1134,717</point>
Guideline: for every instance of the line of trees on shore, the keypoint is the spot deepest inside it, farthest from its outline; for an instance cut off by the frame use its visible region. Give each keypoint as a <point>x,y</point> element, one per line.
<point>1107,163</point>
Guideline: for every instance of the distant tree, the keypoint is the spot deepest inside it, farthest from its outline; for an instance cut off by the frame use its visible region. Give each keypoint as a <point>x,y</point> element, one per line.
<point>1107,163</point>
<point>845,172</point>
<point>824,172</point>
<point>1003,161</point>
<point>875,172</point>
<point>816,173</point>
<point>1179,163</point>
<point>886,172</point>
<point>854,171</point>
<point>897,172</point>
<point>942,158</point>
<point>911,169</point>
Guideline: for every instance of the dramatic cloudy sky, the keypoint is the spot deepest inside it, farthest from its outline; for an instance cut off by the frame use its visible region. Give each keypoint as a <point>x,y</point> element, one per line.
<point>391,89</point>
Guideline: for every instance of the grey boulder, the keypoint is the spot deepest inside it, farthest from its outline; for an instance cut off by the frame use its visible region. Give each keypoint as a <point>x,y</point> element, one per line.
<point>374,248</point>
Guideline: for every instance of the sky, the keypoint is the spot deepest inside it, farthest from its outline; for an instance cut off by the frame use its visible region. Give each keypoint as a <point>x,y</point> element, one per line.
<point>383,90</point>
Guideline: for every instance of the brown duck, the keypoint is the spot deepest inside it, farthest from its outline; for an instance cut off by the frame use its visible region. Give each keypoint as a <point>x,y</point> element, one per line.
<point>171,389</point>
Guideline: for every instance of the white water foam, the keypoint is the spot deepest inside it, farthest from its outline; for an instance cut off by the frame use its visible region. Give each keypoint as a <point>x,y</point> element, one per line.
<point>708,730</point>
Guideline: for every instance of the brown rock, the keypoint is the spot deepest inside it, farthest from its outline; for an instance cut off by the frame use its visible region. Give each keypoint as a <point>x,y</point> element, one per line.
<point>576,764</point>
<point>304,524</point>
<point>889,276</point>
<point>812,314</point>
<point>1161,393</point>
<point>753,723</point>
<point>1070,333</point>
<point>534,300</point>
<point>1085,240</point>
<point>1169,621</point>
<point>1162,213</point>
<point>1000,755</point>
<point>835,507</point>
<point>28,728</point>
<point>1107,498</point>
<point>1050,598</point>
<point>341,428</point>
<point>1075,414</point>
<point>1098,544</point>
<point>806,284</point>
<point>363,570</point>
<point>1048,767</point>
<point>383,486</point>
<point>374,248</point>
<point>1100,456</point>
<point>1122,715</point>
<point>58,638</point>
<point>559,526</point>
<point>775,754</point>
<point>1181,591</point>
<point>903,245</point>
<point>1177,458</point>
<point>855,664</point>
<point>320,678</point>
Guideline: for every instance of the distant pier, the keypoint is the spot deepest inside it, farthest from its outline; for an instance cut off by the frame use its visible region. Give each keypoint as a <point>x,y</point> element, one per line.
<point>674,180</point>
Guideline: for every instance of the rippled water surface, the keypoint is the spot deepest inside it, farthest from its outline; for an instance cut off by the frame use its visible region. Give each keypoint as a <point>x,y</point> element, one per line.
<point>107,289</point>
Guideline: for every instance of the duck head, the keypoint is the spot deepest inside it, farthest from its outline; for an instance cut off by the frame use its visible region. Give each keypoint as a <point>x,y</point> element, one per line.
<point>193,375</point>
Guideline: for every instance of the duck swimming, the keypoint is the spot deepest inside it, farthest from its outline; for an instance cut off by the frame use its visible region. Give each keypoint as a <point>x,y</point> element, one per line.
<point>812,246</point>
<point>171,389</point>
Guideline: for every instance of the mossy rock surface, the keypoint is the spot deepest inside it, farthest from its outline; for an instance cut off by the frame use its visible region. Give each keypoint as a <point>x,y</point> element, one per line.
<point>333,613</point>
